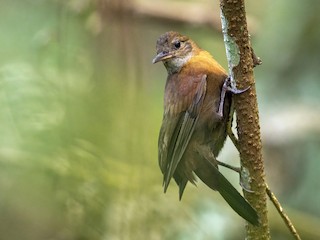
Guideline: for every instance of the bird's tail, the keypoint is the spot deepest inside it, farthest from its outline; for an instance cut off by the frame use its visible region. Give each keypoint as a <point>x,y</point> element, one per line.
<point>211,176</point>
<point>236,201</point>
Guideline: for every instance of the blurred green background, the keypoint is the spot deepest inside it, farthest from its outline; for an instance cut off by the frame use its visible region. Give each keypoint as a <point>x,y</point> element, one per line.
<point>81,107</point>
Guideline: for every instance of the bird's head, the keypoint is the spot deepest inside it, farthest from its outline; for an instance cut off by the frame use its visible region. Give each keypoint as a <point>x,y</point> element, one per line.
<point>174,50</point>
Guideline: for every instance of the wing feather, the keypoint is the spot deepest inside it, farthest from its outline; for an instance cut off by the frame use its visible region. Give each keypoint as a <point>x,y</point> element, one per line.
<point>177,131</point>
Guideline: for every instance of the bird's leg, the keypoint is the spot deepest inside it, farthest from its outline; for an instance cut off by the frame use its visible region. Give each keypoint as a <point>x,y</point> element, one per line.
<point>242,174</point>
<point>222,97</point>
<point>242,171</point>
<point>206,152</point>
<point>236,169</point>
<point>229,127</point>
<point>227,87</point>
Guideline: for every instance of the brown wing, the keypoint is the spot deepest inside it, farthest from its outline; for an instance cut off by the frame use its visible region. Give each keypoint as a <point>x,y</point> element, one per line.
<point>179,121</point>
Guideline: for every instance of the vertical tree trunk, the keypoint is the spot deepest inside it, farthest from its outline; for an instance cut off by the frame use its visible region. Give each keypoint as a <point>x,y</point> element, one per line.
<point>240,61</point>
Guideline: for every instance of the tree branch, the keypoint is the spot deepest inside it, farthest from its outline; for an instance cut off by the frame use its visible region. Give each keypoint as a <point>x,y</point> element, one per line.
<point>240,62</point>
<point>284,216</point>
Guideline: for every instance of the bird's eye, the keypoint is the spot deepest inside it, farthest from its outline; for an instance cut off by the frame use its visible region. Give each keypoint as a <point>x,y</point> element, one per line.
<point>177,44</point>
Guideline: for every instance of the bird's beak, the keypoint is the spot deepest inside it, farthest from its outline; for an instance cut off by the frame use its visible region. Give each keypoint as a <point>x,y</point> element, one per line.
<point>162,56</point>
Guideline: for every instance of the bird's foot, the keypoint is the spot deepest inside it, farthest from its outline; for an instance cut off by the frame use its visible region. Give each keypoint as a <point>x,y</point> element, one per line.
<point>236,169</point>
<point>243,182</point>
<point>228,87</point>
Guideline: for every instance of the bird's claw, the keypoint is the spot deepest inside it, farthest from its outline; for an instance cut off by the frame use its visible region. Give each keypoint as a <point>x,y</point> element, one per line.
<point>242,174</point>
<point>228,87</point>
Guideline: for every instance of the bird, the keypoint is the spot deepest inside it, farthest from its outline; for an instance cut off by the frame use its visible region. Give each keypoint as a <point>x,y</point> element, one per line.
<point>197,107</point>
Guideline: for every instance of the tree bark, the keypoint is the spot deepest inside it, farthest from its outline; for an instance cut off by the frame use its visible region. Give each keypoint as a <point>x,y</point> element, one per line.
<point>240,63</point>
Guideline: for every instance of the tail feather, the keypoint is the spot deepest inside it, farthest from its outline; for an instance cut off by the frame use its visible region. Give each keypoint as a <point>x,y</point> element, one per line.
<point>211,176</point>
<point>182,186</point>
<point>236,201</point>
<point>182,182</point>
